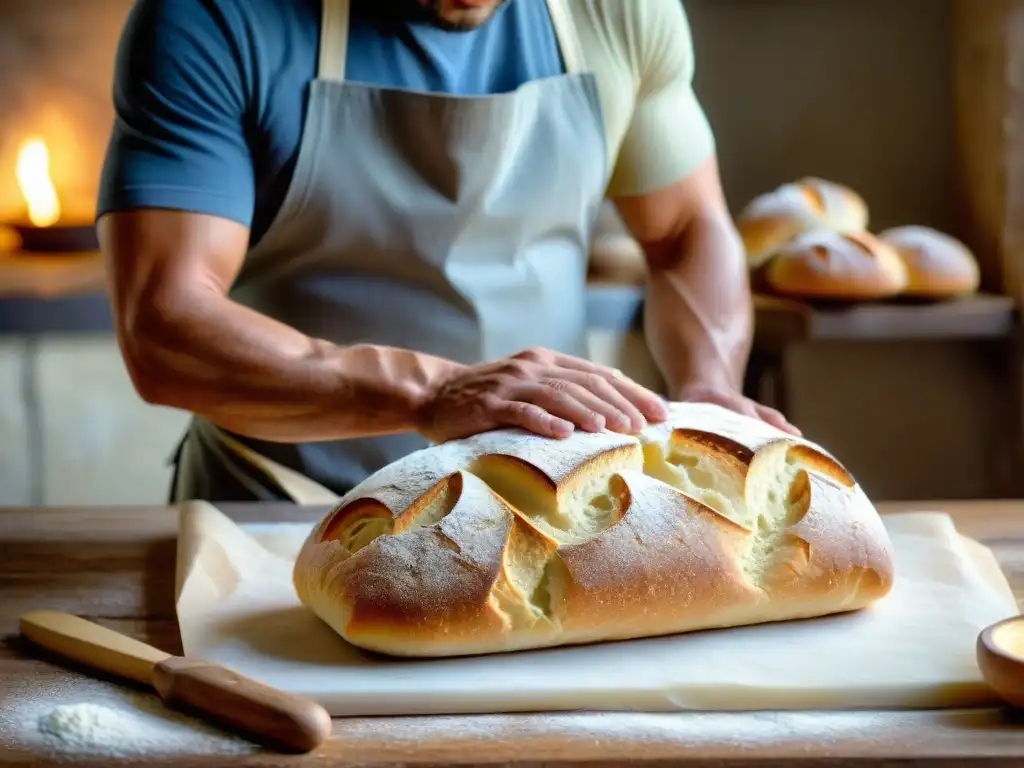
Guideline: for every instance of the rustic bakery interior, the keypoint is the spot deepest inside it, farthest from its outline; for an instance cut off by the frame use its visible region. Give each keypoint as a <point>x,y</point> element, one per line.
<point>468,597</point>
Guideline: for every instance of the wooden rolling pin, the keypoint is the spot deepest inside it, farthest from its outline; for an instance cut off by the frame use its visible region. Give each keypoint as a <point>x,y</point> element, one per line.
<point>263,714</point>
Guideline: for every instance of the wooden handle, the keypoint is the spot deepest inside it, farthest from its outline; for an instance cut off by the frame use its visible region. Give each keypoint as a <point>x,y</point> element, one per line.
<point>92,644</point>
<point>264,714</point>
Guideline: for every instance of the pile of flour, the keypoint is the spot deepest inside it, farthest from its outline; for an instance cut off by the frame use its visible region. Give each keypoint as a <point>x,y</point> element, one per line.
<point>105,721</point>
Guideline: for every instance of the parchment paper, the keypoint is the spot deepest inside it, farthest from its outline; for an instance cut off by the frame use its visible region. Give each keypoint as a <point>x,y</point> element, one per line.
<point>914,649</point>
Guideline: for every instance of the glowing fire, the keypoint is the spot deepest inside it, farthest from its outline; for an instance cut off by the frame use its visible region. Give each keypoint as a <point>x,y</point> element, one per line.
<point>35,183</point>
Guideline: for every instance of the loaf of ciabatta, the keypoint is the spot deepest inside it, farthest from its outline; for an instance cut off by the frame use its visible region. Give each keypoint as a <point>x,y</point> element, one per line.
<point>507,541</point>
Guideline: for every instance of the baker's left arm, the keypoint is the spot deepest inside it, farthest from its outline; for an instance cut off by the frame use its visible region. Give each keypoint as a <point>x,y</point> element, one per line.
<point>698,313</point>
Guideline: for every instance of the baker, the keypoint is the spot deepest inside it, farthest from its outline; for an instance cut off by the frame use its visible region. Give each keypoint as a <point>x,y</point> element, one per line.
<point>337,230</point>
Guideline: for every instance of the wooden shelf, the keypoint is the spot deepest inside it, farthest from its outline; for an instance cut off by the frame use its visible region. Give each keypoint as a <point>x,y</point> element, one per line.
<point>50,275</point>
<point>780,322</point>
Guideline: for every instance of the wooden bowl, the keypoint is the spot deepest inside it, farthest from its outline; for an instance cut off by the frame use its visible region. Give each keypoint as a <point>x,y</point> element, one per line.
<point>1000,651</point>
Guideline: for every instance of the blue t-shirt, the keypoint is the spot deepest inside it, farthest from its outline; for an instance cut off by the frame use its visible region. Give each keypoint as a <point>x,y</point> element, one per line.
<point>210,95</point>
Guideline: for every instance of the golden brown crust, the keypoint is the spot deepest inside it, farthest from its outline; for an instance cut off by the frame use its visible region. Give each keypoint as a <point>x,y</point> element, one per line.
<point>709,520</point>
<point>938,265</point>
<point>824,560</point>
<point>821,464</point>
<point>822,264</point>
<point>773,219</point>
<point>671,563</point>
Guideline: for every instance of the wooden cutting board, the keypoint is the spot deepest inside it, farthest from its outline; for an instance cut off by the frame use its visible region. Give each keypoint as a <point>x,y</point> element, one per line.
<point>915,649</point>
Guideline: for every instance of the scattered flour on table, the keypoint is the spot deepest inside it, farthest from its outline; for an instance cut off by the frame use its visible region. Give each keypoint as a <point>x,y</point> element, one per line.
<point>106,722</point>
<point>607,732</point>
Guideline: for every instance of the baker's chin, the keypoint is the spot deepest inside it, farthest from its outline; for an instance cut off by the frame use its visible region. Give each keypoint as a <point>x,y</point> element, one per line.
<point>462,15</point>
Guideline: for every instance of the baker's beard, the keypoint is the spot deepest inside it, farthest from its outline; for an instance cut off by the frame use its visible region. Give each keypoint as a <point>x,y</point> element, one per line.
<point>439,13</point>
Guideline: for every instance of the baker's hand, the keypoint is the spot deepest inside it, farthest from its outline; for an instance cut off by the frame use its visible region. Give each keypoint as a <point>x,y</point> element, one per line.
<point>542,391</point>
<point>728,397</point>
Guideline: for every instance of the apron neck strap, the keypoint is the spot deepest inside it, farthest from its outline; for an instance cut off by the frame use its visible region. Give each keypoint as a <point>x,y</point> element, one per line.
<point>568,40</point>
<point>334,38</point>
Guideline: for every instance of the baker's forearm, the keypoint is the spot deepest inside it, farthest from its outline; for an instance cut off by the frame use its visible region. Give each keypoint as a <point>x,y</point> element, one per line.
<point>258,377</point>
<point>698,318</point>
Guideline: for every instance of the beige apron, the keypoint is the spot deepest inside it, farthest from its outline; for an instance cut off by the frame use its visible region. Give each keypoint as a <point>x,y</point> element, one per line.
<point>453,225</point>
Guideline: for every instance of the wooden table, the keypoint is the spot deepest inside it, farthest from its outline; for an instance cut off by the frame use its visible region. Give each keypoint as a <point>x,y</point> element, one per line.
<point>117,567</point>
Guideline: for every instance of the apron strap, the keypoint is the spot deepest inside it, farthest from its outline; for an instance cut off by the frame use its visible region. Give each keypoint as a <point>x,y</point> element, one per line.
<point>299,488</point>
<point>568,40</point>
<point>333,40</point>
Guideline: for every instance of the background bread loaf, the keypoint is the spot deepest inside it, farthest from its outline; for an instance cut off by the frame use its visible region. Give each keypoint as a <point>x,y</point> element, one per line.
<point>823,264</point>
<point>615,255</point>
<point>937,265</point>
<point>773,219</point>
<point>508,541</point>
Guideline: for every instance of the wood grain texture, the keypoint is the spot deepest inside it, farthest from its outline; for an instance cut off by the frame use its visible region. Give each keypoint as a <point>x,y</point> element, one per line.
<point>988,89</point>
<point>89,643</point>
<point>781,322</point>
<point>116,567</point>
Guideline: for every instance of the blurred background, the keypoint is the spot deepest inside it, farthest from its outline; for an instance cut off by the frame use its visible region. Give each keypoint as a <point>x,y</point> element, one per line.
<point>915,104</point>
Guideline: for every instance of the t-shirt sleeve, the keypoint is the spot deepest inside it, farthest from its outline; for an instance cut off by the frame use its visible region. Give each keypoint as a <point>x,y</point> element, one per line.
<point>668,135</point>
<point>178,139</point>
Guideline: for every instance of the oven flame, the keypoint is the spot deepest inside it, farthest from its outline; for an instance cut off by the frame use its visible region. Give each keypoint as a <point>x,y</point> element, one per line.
<point>36,186</point>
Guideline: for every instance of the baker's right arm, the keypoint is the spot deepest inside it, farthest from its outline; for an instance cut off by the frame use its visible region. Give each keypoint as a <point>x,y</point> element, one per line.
<point>187,345</point>
<point>175,209</point>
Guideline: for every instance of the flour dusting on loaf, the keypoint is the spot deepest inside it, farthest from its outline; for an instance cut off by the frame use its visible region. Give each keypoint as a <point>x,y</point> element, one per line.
<point>773,219</point>
<point>824,264</point>
<point>508,541</point>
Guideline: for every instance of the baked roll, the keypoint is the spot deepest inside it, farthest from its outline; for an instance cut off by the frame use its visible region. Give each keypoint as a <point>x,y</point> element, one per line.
<point>507,540</point>
<point>773,219</point>
<point>938,265</point>
<point>827,265</point>
<point>614,253</point>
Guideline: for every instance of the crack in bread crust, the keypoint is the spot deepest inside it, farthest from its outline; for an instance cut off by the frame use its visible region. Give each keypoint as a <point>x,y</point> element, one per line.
<point>508,540</point>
